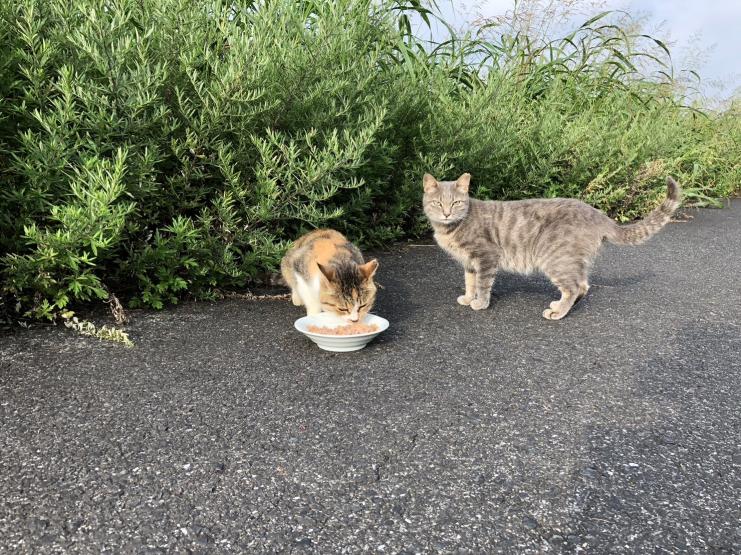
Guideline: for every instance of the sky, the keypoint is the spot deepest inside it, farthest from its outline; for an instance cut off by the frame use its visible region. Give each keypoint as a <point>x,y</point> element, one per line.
<point>703,35</point>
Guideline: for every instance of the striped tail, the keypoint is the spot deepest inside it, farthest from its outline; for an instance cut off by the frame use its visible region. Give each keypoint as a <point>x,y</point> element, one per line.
<point>642,231</point>
<point>276,279</point>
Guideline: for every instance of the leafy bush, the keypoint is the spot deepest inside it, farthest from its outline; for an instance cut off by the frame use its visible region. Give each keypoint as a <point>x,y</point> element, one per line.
<point>158,147</point>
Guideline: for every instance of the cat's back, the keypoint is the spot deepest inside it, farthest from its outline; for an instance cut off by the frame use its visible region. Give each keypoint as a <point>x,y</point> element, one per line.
<point>550,212</point>
<point>523,230</point>
<point>547,204</point>
<point>322,246</point>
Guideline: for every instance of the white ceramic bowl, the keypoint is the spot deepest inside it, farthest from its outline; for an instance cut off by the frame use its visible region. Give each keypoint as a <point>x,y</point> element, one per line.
<point>339,343</point>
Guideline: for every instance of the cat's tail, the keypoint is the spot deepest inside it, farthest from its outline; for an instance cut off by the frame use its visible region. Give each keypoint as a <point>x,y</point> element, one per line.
<point>642,231</point>
<point>276,279</point>
<point>270,279</point>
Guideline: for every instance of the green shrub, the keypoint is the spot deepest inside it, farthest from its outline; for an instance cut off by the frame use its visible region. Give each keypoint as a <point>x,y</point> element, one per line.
<point>161,147</point>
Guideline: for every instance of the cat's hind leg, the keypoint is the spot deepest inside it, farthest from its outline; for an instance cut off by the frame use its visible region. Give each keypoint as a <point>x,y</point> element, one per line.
<point>573,285</point>
<point>560,308</point>
<point>583,290</point>
<point>308,294</point>
<point>293,284</point>
<point>289,276</point>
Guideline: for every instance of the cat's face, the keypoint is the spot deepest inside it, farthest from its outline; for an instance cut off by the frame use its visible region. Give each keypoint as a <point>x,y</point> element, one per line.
<point>349,290</point>
<point>446,202</point>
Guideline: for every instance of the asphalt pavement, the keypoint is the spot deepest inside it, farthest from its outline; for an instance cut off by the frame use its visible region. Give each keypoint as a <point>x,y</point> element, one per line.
<point>617,429</point>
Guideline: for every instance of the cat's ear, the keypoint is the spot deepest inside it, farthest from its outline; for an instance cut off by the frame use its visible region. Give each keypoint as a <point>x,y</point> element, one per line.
<point>369,268</point>
<point>430,183</point>
<point>463,182</point>
<point>327,271</point>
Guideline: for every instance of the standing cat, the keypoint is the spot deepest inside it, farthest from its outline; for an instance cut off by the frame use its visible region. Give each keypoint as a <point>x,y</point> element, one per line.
<point>559,237</point>
<point>326,271</point>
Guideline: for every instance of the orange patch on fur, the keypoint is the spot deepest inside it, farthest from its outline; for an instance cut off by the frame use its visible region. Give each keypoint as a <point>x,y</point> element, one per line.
<point>323,251</point>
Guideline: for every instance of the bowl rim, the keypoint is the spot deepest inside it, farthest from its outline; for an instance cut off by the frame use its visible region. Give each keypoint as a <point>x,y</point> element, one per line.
<point>383,326</point>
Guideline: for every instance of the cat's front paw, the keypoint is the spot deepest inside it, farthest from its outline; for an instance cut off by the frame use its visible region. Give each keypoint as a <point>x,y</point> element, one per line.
<point>479,304</point>
<point>464,300</point>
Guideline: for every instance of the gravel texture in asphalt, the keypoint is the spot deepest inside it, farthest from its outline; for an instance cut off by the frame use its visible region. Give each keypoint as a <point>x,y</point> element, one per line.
<point>617,429</point>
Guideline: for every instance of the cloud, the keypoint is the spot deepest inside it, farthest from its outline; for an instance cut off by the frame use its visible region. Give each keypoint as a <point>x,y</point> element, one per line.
<point>705,36</point>
<point>710,27</point>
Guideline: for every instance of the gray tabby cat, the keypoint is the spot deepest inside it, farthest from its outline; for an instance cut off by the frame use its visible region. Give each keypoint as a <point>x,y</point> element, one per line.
<point>559,237</point>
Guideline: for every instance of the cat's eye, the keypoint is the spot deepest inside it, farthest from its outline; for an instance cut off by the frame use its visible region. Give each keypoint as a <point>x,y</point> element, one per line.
<point>457,202</point>
<point>436,203</point>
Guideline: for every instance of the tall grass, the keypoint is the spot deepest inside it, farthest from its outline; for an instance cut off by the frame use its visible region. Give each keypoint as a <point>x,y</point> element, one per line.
<point>154,148</point>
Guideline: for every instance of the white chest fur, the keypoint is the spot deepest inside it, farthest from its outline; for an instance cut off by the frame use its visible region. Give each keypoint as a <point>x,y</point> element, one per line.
<point>448,243</point>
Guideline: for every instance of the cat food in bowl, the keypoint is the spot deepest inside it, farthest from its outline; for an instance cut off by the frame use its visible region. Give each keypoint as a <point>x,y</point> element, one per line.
<point>333,333</point>
<point>350,329</point>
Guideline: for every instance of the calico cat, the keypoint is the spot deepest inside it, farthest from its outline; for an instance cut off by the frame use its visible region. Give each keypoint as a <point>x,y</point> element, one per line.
<point>325,271</point>
<point>559,237</point>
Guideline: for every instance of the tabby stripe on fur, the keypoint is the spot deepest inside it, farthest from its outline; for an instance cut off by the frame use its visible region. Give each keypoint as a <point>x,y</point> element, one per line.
<point>559,237</point>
